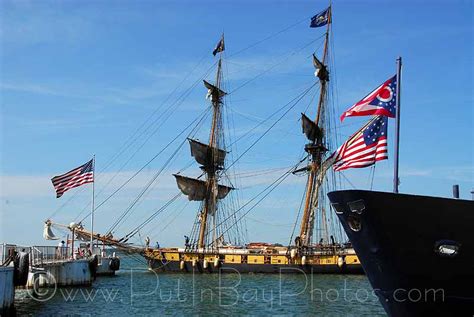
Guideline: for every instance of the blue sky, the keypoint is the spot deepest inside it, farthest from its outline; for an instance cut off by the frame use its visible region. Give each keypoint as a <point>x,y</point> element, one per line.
<point>78,78</point>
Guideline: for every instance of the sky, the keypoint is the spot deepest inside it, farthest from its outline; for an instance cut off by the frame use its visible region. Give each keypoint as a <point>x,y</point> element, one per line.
<point>80,78</point>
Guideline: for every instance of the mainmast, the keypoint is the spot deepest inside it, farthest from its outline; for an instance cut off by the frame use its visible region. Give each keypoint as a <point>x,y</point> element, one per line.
<point>316,148</point>
<point>211,157</point>
<point>209,207</point>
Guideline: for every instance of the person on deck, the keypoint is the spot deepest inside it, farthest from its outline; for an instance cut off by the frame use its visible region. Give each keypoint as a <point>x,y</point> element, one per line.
<point>89,250</point>
<point>61,249</point>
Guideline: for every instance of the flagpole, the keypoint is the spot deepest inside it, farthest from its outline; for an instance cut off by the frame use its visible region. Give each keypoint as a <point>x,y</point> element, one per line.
<point>92,211</point>
<point>397,125</point>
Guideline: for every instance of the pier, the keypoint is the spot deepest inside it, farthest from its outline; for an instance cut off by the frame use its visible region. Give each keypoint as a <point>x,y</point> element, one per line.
<point>37,267</point>
<point>54,266</point>
<point>7,289</point>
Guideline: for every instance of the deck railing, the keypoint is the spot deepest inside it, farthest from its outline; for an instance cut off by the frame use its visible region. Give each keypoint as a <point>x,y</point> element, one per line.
<point>6,250</point>
<point>49,254</point>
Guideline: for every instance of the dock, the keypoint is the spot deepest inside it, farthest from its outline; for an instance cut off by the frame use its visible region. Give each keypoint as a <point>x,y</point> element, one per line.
<point>54,266</point>
<point>7,290</point>
<point>38,267</point>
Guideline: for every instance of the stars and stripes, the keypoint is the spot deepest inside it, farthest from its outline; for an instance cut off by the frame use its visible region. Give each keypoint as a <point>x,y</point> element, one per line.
<point>365,147</point>
<point>79,176</point>
<point>381,101</point>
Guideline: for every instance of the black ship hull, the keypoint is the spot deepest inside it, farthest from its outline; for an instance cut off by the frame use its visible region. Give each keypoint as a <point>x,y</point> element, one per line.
<point>417,251</point>
<point>176,267</point>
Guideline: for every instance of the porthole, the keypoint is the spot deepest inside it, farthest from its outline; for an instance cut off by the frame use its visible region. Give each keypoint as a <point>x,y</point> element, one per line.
<point>447,248</point>
<point>338,208</point>
<point>354,223</point>
<point>357,206</point>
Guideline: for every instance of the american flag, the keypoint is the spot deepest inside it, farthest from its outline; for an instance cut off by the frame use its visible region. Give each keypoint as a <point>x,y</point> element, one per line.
<point>381,101</point>
<point>79,176</point>
<point>365,147</point>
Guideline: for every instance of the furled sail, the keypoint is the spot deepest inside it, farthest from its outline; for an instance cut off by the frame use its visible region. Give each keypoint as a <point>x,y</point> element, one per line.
<point>213,92</point>
<point>204,154</point>
<point>321,70</point>
<point>310,128</point>
<point>48,233</point>
<point>196,189</point>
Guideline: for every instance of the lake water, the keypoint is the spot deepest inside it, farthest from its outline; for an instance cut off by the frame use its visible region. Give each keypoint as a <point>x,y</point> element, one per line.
<point>136,291</point>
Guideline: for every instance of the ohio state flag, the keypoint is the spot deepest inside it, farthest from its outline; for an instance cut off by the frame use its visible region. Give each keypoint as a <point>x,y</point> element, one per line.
<point>381,102</point>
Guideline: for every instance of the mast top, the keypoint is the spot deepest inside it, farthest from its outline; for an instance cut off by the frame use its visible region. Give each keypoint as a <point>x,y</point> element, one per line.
<point>220,47</point>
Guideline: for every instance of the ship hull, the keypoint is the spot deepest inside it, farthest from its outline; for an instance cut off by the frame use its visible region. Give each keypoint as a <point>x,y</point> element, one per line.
<point>327,259</point>
<point>187,267</point>
<point>398,239</point>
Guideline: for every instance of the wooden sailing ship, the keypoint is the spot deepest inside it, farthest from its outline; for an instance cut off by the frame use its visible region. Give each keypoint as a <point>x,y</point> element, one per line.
<point>207,251</point>
<point>210,247</point>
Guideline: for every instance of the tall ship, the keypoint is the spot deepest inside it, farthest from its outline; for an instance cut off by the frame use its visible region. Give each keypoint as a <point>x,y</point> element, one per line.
<point>215,243</point>
<point>207,249</point>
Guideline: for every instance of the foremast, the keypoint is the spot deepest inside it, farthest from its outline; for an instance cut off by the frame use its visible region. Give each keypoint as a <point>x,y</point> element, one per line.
<point>316,148</point>
<point>211,157</point>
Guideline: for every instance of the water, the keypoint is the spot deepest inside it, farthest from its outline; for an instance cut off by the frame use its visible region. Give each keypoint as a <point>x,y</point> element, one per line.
<point>136,291</point>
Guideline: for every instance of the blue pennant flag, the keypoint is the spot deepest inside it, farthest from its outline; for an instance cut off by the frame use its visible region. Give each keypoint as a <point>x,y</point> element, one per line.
<point>321,18</point>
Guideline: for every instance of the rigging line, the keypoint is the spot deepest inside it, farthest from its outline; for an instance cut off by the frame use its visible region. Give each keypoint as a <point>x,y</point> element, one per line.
<point>85,207</point>
<point>198,119</point>
<point>156,213</point>
<point>177,103</point>
<point>159,108</point>
<point>344,176</point>
<point>284,175</point>
<point>269,37</point>
<point>297,217</point>
<point>64,204</point>
<point>311,101</point>
<point>298,99</point>
<point>372,181</point>
<point>263,122</point>
<point>269,223</point>
<point>275,184</point>
<point>274,65</point>
<point>136,151</point>
<point>171,220</point>
<point>131,139</point>
<point>150,183</point>
<point>261,172</point>
<point>127,213</point>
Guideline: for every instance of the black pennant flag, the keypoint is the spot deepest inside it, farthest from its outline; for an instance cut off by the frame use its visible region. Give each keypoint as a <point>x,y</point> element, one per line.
<point>220,47</point>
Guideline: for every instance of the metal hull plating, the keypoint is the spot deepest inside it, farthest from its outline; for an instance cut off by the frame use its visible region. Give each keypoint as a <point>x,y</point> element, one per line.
<point>397,238</point>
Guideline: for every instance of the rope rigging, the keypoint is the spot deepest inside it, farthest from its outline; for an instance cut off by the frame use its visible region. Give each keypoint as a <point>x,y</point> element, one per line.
<point>198,119</point>
<point>136,135</point>
<point>227,172</point>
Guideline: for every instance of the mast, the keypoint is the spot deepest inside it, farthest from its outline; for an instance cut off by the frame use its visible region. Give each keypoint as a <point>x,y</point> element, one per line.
<point>210,201</point>
<point>211,158</point>
<point>315,148</point>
